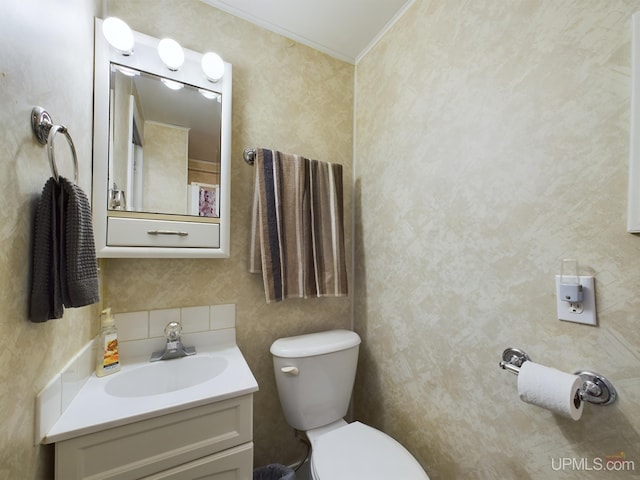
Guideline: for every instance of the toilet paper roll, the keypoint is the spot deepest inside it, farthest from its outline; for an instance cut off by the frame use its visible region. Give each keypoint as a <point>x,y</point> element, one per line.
<point>549,388</point>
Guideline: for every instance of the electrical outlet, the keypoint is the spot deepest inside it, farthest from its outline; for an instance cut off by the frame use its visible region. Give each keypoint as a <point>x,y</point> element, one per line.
<point>576,307</point>
<point>578,312</point>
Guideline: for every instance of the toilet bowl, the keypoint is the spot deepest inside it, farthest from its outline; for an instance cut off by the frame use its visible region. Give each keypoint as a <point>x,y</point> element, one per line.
<point>315,375</point>
<point>357,451</point>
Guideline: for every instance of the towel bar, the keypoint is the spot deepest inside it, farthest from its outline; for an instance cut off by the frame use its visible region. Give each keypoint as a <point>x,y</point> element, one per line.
<point>45,131</point>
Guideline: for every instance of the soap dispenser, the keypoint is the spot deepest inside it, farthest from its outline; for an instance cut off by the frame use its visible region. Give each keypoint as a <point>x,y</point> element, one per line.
<point>108,360</point>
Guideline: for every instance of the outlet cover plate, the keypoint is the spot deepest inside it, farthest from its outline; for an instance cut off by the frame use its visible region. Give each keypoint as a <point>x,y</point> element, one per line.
<point>588,315</point>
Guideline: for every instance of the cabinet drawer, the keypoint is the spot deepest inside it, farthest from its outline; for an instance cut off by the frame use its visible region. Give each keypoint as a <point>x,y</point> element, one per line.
<point>137,232</point>
<point>150,446</point>
<point>233,464</point>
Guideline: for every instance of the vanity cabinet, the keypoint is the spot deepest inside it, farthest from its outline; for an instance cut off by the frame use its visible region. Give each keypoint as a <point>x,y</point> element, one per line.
<point>211,441</point>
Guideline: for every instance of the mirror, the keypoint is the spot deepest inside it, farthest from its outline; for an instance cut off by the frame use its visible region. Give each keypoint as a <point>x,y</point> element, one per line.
<point>165,155</point>
<point>161,154</point>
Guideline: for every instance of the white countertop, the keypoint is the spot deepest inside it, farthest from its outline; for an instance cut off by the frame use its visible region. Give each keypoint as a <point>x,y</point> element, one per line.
<point>93,409</point>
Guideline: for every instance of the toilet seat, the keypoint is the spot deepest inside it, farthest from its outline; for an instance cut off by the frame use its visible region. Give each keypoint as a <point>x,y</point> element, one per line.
<point>357,451</point>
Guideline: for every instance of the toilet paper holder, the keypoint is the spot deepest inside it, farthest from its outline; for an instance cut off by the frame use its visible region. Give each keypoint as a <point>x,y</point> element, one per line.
<point>595,389</point>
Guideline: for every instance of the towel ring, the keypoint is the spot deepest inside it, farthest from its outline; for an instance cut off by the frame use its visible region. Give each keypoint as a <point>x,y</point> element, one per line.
<point>45,131</point>
<point>52,159</point>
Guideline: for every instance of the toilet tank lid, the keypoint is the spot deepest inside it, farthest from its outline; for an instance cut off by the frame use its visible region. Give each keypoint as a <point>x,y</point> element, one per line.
<point>314,344</point>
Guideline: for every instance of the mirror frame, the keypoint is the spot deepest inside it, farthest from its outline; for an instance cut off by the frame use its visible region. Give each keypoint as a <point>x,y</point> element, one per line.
<point>145,58</point>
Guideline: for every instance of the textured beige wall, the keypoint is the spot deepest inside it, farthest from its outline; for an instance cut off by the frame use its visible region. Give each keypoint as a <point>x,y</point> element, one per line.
<point>47,60</point>
<point>493,141</point>
<point>285,96</point>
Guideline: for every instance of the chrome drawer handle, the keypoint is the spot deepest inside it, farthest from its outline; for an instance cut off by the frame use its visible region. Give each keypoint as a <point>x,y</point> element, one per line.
<point>168,232</point>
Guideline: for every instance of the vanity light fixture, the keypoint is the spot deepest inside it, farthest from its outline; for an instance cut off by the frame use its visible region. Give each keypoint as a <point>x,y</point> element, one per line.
<point>171,53</point>
<point>212,66</point>
<point>118,34</point>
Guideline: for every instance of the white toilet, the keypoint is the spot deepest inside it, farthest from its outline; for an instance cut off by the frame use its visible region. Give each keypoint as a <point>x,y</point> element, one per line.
<point>315,375</point>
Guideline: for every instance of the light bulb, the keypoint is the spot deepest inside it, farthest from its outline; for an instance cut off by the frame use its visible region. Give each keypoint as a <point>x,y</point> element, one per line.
<point>118,34</point>
<point>212,66</point>
<point>171,53</point>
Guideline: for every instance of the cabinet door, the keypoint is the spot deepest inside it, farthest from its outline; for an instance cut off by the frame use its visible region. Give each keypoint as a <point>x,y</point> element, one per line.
<point>156,444</point>
<point>233,464</point>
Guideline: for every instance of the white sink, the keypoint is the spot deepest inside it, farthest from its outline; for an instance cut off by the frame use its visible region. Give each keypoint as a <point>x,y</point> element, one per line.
<point>143,390</point>
<point>165,376</point>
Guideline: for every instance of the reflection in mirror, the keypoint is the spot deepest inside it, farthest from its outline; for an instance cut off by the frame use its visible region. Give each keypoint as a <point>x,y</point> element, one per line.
<point>165,149</point>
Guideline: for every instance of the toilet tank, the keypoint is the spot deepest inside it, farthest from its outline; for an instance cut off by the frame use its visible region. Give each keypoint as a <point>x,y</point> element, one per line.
<point>315,375</point>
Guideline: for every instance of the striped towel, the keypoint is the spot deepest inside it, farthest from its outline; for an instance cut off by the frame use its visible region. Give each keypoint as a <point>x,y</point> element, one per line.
<point>297,230</point>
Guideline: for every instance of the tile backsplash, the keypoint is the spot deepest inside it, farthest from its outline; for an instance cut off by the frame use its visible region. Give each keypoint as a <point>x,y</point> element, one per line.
<point>151,323</point>
<point>140,333</point>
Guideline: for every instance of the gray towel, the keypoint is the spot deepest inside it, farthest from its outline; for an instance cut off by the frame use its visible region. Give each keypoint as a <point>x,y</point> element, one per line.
<point>65,270</point>
<point>79,268</point>
<point>46,298</point>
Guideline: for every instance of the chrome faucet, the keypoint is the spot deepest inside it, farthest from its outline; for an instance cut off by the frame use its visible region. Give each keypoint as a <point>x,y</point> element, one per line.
<point>174,347</point>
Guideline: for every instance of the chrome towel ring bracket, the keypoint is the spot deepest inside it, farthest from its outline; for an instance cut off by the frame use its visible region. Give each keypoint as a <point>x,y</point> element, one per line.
<point>45,131</point>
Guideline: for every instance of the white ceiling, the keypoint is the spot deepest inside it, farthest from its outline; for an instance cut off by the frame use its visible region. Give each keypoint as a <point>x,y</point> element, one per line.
<point>344,29</point>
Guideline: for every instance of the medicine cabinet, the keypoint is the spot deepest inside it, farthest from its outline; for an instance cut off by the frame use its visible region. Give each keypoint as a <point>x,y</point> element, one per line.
<point>161,159</point>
